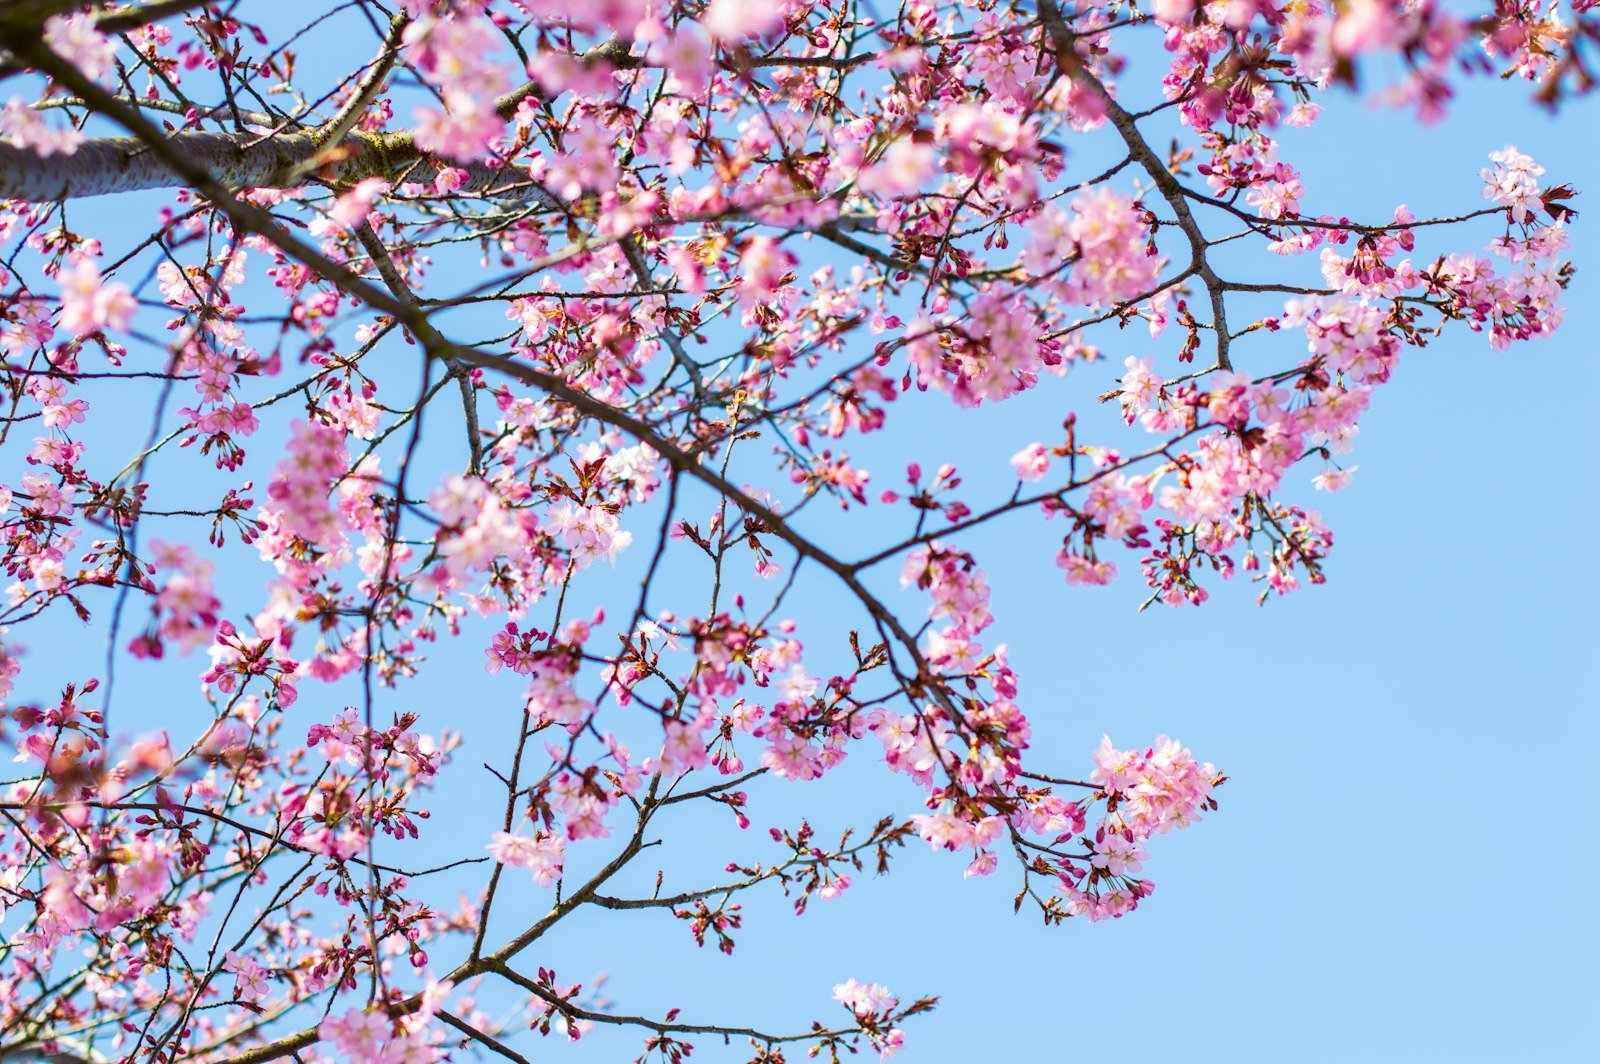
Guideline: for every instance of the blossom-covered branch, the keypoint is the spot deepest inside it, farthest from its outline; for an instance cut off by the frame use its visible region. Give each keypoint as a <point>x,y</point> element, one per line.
<point>739,250</point>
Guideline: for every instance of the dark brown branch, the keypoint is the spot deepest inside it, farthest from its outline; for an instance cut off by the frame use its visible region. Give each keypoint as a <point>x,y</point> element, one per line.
<point>577,1012</point>
<point>483,1038</point>
<point>30,15</point>
<point>1062,39</point>
<point>402,291</point>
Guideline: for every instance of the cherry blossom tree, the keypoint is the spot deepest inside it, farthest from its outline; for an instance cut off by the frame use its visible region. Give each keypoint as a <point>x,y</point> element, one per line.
<point>588,336</point>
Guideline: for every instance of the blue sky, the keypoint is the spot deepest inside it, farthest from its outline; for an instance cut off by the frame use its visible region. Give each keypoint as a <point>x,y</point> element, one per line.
<point>1401,867</point>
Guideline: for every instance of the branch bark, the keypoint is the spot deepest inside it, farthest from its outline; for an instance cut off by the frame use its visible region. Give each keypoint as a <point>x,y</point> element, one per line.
<point>67,1051</point>
<point>107,165</point>
<point>331,153</point>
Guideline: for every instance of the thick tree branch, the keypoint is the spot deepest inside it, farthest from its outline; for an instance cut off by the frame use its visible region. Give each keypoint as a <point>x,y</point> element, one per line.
<point>334,153</point>
<point>29,15</point>
<point>107,165</point>
<point>483,1038</point>
<point>67,1051</point>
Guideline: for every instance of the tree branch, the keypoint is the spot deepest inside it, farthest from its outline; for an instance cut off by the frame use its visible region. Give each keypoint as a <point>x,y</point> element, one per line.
<point>30,15</point>
<point>1062,39</point>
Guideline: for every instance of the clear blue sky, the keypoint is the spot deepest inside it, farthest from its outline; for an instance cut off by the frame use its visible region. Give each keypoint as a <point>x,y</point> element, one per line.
<point>1402,867</point>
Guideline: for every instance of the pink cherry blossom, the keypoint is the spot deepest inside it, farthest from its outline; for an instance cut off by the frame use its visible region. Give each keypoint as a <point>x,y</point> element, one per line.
<point>541,854</point>
<point>75,39</point>
<point>27,129</point>
<point>88,304</point>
